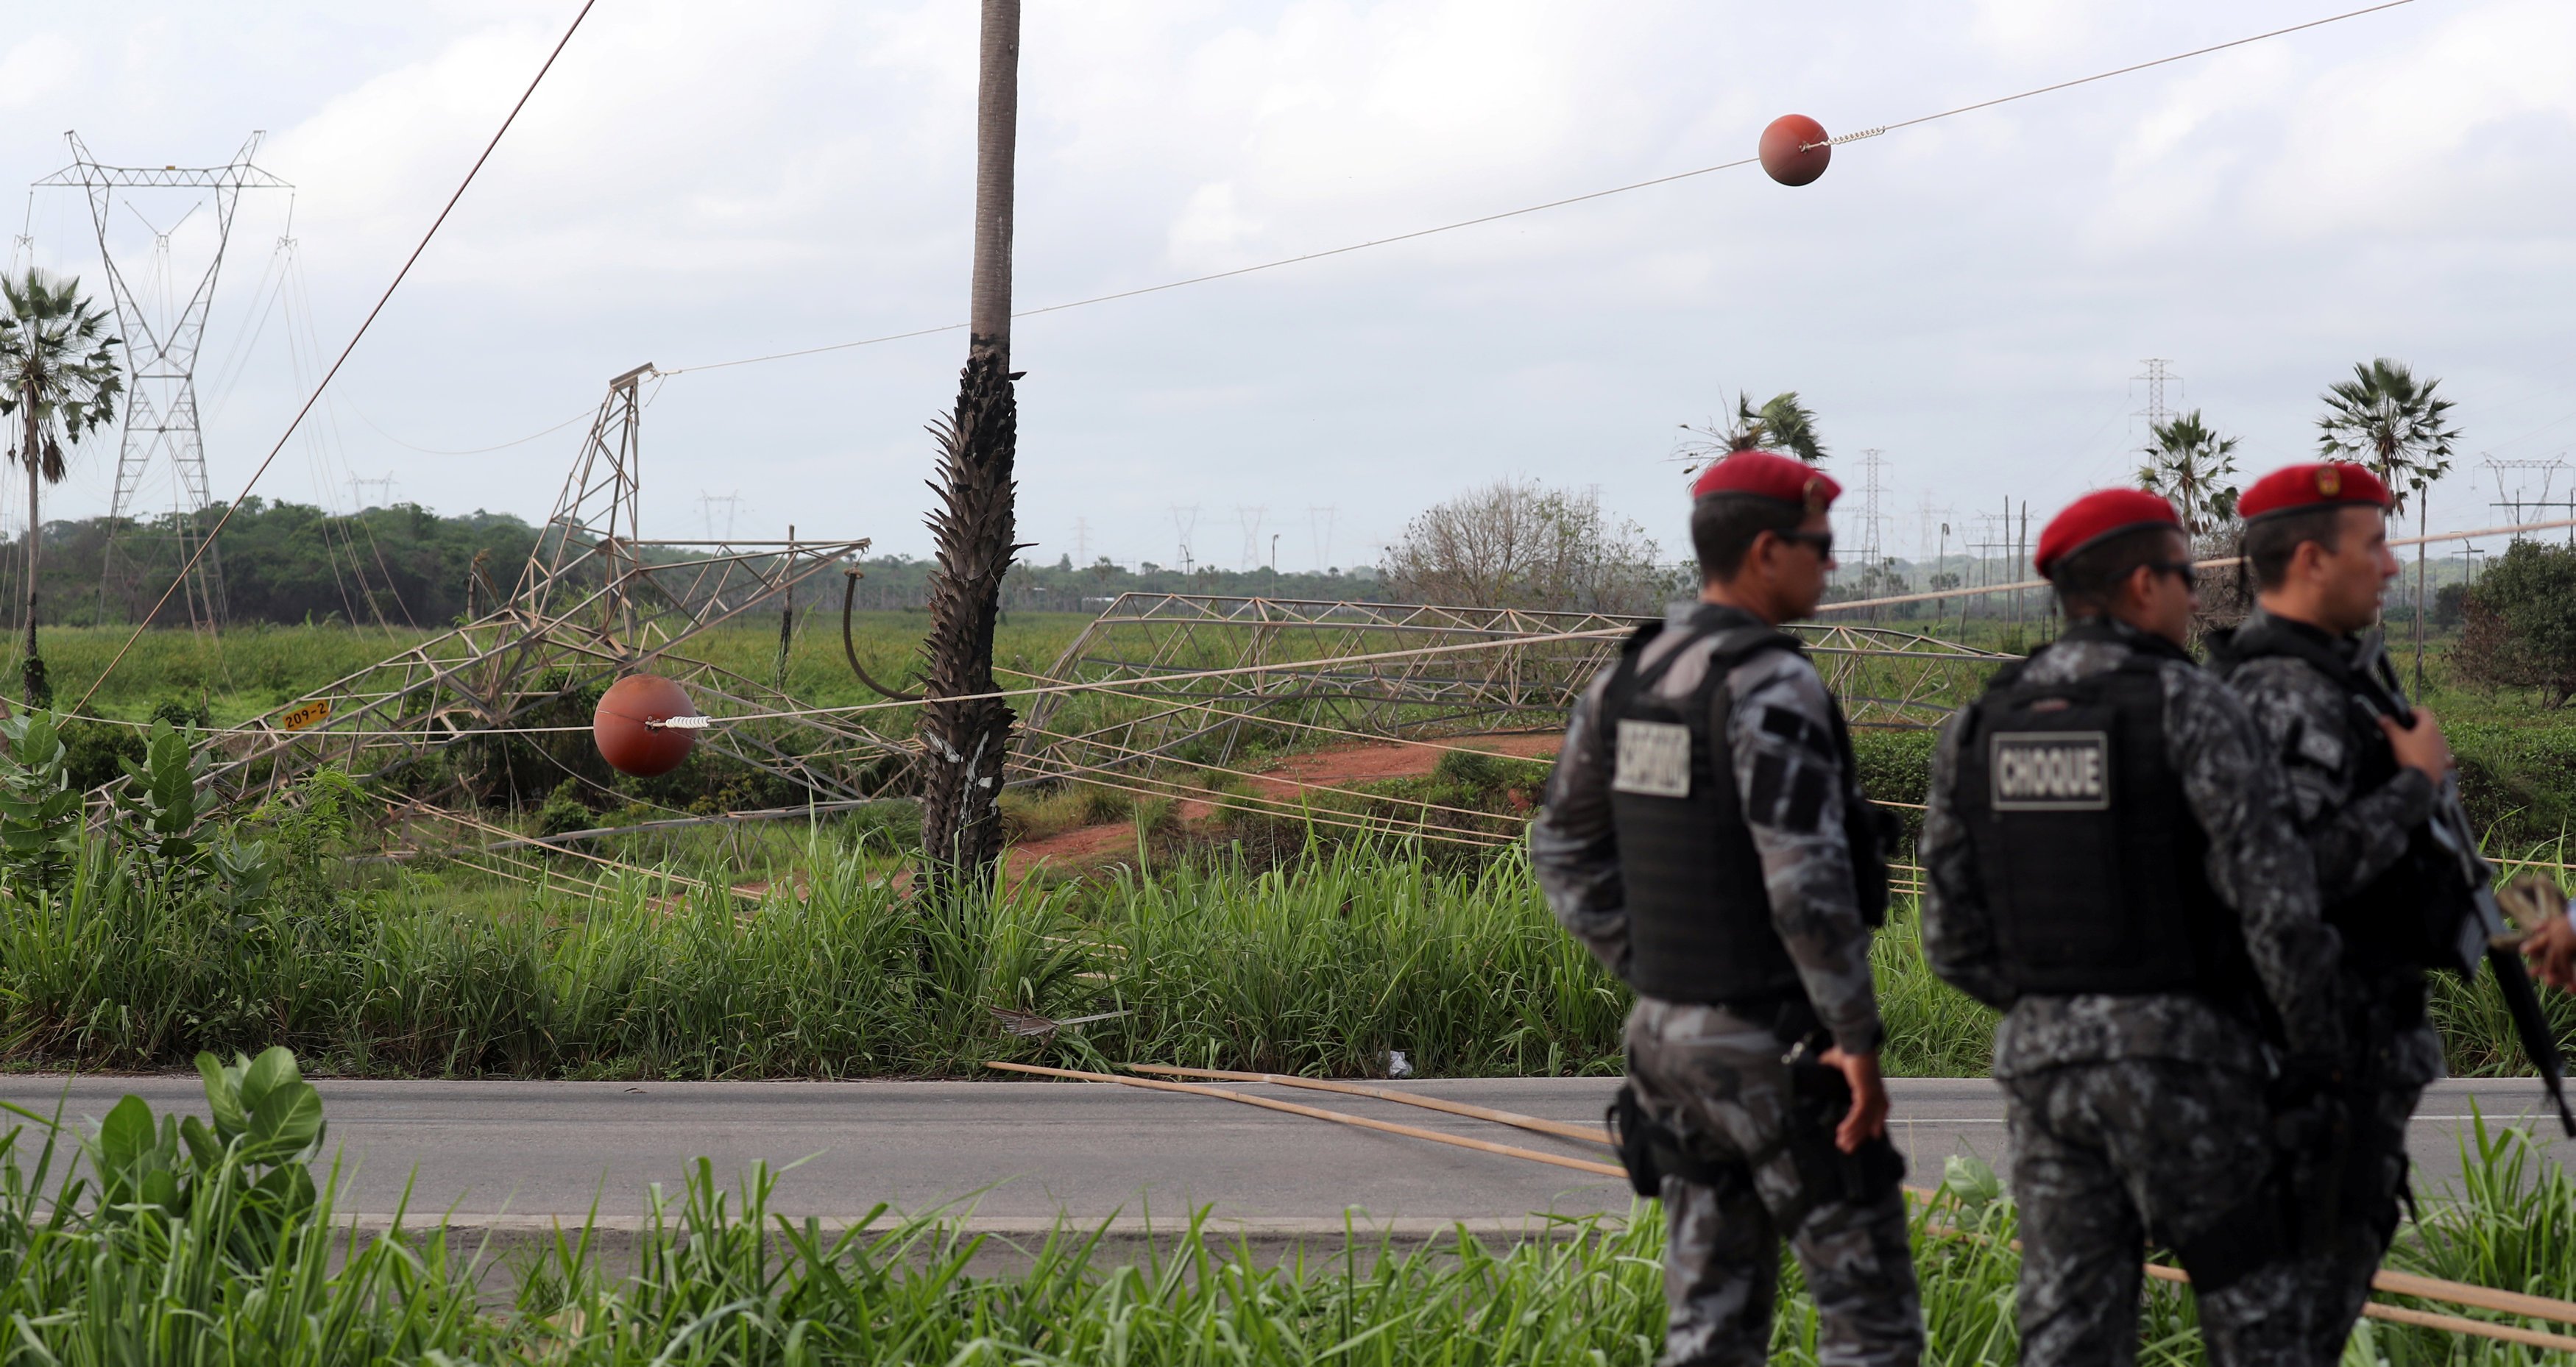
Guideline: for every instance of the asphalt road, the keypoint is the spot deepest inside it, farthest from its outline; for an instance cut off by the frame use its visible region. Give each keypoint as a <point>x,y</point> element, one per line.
<point>1017,1156</point>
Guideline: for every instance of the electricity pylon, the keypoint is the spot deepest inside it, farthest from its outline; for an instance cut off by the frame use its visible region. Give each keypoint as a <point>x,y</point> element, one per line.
<point>162,334</point>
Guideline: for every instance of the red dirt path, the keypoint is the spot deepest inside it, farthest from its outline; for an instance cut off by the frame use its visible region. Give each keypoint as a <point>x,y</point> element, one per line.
<point>1338,766</point>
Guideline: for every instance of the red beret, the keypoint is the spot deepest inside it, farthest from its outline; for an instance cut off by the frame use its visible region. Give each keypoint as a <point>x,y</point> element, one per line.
<point>2104,512</point>
<point>2295,487</point>
<point>1765,475</point>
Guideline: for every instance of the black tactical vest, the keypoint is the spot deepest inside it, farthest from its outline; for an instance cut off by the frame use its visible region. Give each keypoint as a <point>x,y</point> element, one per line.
<point>1699,915</point>
<point>2409,916</point>
<point>2090,857</point>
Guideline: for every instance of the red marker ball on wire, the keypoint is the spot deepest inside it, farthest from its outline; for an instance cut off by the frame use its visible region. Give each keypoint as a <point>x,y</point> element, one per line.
<point>1795,149</point>
<point>645,725</point>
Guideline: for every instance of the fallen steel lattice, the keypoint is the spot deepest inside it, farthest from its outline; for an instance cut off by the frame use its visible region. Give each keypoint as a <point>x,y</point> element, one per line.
<point>1135,712</point>
<point>594,601</point>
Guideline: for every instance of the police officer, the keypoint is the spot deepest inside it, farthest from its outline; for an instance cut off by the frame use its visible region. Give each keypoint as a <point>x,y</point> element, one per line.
<point>2109,860</point>
<point>1705,837</point>
<point>2363,786</point>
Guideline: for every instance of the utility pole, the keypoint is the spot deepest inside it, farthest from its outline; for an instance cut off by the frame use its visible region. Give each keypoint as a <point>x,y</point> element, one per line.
<point>964,742</point>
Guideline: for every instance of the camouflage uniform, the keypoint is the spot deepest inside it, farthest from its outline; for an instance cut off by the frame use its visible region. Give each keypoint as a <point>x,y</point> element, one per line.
<point>2392,1051</point>
<point>2144,1116</point>
<point>1716,1078</point>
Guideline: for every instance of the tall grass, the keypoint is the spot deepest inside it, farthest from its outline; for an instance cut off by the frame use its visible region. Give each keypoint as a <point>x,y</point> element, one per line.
<point>216,1268</point>
<point>1321,965</point>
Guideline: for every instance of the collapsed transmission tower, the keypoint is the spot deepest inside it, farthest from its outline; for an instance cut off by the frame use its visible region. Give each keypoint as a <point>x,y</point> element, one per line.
<point>595,600</point>
<point>162,332</point>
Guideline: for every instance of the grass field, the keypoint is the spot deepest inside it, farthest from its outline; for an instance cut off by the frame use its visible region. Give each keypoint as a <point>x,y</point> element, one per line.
<point>130,1246</point>
<point>1279,941</point>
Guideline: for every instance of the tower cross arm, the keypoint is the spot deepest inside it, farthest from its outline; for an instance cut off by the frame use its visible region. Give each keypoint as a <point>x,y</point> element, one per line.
<point>242,176</point>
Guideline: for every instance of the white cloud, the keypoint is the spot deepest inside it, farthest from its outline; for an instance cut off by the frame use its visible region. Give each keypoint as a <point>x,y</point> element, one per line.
<point>34,69</point>
<point>698,182</point>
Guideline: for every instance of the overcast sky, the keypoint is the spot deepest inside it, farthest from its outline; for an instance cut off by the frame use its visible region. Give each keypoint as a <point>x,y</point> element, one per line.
<point>696,183</point>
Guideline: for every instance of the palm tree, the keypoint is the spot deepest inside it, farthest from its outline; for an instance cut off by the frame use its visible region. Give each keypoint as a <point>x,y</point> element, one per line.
<point>1780,424</point>
<point>2187,464</point>
<point>963,743</point>
<point>60,380</point>
<point>2385,418</point>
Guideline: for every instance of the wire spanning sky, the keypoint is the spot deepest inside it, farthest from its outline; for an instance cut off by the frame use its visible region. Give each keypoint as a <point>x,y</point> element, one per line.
<point>1971,297</point>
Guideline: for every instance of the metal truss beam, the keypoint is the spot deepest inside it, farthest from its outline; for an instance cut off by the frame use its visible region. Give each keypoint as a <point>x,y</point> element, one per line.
<point>1146,657</point>
<point>594,602</point>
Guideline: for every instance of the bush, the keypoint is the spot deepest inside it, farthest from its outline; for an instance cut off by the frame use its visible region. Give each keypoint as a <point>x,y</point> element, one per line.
<point>564,811</point>
<point>1486,774</point>
<point>2520,627</point>
<point>1896,766</point>
<point>2518,782</point>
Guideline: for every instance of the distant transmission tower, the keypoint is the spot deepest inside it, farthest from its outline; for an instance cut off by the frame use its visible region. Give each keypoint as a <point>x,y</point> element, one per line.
<point>2157,412</point>
<point>1873,484</point>
<point>1184,521</point>
<point>707,512</point>
<point>2522,505</point>
<point>162,333</point>
<point>384,488</point>
<point>1249,518</point>
<point>1319,531</point>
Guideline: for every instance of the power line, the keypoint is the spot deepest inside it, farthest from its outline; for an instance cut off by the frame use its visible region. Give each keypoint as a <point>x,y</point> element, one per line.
<point>360,335</point>
<point>1482,219</point>
<point>355,412</point>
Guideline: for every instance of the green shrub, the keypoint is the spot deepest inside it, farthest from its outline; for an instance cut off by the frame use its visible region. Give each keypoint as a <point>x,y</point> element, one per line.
<point>1896,767</point>
<point>564,810</point>
<point>2518,782</point>
<point>96,752</point>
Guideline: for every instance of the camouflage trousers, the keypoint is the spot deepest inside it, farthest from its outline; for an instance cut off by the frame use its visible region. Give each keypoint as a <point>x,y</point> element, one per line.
<point>2335,1282</point>
<point>1717,1081</point>
<point>2106,1156</point>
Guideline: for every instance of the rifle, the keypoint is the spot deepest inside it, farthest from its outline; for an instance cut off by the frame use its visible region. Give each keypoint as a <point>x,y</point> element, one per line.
<point>2483,933</point>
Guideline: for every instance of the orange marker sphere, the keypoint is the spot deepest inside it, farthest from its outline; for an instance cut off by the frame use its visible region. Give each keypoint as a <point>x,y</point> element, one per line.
<point>1794,150</point>
<point>621,725</point>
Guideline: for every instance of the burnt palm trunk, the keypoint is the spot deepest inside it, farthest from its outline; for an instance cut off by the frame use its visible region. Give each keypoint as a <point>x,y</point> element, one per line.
<point>964,741</point>
<point>39,688</point>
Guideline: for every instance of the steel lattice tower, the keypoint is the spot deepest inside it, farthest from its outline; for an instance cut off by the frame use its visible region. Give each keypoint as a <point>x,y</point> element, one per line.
<point>161,365</point>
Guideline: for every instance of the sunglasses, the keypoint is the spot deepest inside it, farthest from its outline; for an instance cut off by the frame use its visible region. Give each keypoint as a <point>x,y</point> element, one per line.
<point>2181,569</point>
<point>1822,541</point>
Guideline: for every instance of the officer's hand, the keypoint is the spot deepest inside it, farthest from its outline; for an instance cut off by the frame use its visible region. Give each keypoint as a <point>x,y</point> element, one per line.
<point>2552,951</point>
<point>2420,746</point>
<point>1868,1118</point>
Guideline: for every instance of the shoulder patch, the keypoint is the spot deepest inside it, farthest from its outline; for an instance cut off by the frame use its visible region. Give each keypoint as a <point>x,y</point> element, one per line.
<point>1786,794</point>
<point>2320,747</point>
<point>1796,730</point>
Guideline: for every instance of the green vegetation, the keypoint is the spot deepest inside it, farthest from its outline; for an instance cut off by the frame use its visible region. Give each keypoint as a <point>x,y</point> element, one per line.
<point>2521,623</point>
<point>212,1241</point>
<point>1319,964</point>
<point>407,568</point>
